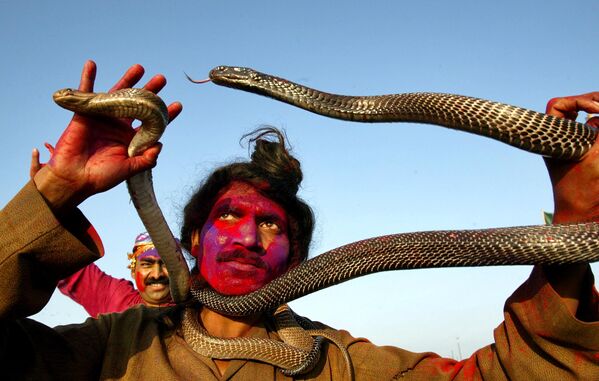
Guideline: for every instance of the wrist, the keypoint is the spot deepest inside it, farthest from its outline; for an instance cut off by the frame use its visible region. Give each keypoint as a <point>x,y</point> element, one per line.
<point>59,193</point>
<point>576,215</point>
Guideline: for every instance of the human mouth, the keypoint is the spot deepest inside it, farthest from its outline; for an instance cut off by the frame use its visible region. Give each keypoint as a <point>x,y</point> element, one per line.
<point>240,266</point>
<point>157,286</point>
<point>242,260</point>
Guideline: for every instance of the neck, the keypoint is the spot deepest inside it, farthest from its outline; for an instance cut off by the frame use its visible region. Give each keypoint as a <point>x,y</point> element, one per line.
<point>226,326</point>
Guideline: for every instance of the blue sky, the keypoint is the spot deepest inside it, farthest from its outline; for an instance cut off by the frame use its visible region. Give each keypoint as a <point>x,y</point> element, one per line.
<point>362,180</point>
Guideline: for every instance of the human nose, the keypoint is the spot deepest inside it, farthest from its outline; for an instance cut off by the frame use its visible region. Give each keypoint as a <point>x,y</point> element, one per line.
<point>156,271</point>
<point>248,234</point>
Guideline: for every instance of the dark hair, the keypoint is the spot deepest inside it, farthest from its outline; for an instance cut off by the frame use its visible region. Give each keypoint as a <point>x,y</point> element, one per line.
<point>275,173</point>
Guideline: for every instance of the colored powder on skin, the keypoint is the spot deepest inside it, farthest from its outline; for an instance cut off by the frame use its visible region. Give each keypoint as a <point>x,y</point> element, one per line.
<point>139,281</point>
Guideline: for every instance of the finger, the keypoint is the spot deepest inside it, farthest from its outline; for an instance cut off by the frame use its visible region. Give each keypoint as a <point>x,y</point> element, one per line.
<point>130,78</point>
<point>589,105</point>
<point>88,76</point>
<point>147,159</point>
<point>156,83</point>
<point>50,148</point>
<point>174,109</point>
<point>594,121</point>
<point>562,107</point>
<point>568,107</point>
<point>35,163</point>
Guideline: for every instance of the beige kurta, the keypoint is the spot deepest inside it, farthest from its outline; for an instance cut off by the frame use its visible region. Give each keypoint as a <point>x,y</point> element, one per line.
<point>539,339</point>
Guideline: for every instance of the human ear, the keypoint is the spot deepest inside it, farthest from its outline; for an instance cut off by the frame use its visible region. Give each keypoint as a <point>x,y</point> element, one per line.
<point>196,249</point>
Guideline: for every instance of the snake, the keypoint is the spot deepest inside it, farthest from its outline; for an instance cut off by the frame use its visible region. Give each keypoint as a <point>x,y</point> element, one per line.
<point>298,353</point>
<point>525,129</point>
<point>148,107</point>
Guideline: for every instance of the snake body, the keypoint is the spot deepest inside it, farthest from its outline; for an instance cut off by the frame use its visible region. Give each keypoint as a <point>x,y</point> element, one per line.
<point>548,245</point>
<point>526,129</point>
<point>293,359</point>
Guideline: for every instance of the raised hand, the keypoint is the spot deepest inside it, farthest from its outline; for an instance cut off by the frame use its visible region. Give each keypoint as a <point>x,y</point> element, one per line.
<point>576,184</point>
<point>91,155</point>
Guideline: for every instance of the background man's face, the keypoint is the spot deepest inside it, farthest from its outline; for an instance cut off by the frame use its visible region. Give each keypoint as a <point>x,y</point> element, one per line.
<point>151,279</point>
<point>243,244</point>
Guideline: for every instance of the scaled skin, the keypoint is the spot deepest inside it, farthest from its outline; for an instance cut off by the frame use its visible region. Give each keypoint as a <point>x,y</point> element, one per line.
<point>243,244</point>
<point>151,280</point>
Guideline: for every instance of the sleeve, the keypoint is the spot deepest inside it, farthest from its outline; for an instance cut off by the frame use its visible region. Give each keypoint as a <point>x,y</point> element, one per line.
<point>539,340</point>
<point>98,292</point>
<point>37,250</point>
<point>33,351</point>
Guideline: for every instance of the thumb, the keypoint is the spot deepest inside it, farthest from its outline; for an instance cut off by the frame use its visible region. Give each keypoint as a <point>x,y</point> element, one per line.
<point>35,163</point>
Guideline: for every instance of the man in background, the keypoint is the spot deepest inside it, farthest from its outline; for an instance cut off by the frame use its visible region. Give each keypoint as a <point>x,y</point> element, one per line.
<point>100,293</point>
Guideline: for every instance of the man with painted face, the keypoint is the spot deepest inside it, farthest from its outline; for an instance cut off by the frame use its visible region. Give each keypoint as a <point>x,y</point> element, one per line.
<point>100,293</point>
<point>246,226</point>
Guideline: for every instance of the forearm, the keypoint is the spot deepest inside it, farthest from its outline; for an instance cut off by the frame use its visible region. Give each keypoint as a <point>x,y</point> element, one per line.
<point>98,292</point>
<point>38,249</point>
<point>573,204</point>
<point>538,339</point>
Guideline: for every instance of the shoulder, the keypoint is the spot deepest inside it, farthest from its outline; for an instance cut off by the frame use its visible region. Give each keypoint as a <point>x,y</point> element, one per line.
<point>343,336</point>
<point>140,318</point>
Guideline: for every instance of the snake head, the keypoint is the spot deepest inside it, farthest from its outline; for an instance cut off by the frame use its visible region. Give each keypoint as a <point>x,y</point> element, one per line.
<point>71,99</point>
<point>232,76</point>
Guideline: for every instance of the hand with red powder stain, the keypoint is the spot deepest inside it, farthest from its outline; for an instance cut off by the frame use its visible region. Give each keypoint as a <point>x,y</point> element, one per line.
<point>576,199</point>
<point>576,184</point>
<point>91,155</point>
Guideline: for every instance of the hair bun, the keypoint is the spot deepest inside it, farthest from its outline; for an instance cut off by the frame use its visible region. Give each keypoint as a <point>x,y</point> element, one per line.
<point>272,156</point>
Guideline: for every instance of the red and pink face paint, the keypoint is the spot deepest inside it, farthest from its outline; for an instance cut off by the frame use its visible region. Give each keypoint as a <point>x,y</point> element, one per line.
<point>139,282</point>
<point>151,278</point>
<point>243,244</point>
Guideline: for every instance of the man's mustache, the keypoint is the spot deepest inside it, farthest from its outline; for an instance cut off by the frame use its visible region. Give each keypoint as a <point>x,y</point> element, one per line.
<point>161,280</point>
<point>242,256</point>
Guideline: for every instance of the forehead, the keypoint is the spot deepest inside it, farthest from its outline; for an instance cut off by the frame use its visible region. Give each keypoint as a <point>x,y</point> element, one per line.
<point>148,257</point>
<point>243,195</point>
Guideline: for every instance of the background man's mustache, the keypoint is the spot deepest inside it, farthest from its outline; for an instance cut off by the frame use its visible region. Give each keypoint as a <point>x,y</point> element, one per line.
<point>161,280</point>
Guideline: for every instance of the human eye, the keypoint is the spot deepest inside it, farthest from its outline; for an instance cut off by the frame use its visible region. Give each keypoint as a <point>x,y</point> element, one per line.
<point>225,216</point>
<point>271,226</point>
